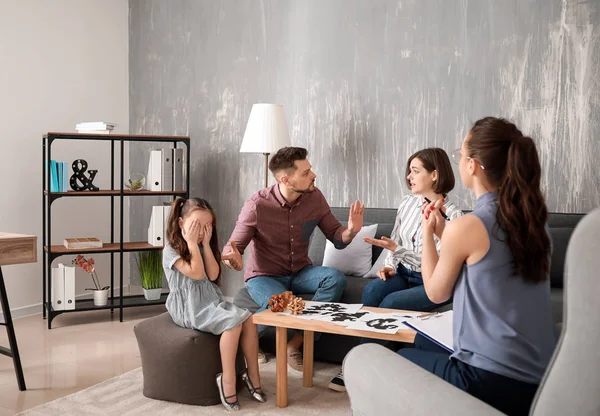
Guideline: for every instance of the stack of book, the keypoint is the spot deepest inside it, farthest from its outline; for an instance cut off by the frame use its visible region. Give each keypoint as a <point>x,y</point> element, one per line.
<point>59,176</point>
<point>166,170</point>
<point>82,243</point>
<point>95,127</point>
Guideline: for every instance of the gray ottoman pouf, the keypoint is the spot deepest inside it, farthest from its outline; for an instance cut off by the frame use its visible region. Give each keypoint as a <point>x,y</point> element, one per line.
<point>178,364</point>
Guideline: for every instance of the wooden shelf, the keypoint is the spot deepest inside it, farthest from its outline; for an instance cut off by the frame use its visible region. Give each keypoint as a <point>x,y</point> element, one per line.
<point>114,193</point>
<point>115,137</point>
<point>106,248</point>
<point>128,302</point>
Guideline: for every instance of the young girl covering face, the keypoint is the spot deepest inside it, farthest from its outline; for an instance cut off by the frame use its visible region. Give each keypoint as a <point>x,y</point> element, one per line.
<point>191,260</point>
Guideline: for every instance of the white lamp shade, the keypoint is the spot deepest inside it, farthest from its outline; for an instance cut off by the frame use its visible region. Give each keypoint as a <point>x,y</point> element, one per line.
<point>266,131</point>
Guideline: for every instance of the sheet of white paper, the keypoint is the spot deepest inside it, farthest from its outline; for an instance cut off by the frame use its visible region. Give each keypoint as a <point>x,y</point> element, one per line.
<point>301,316</point>
<point>341,318</point>
<point>321,310</point>
<point>378,322</point>
<point>326,308</point>
<point>437,327</point>
<point>336,313</point>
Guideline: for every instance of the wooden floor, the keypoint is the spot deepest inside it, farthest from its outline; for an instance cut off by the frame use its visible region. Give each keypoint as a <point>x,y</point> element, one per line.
<point>81,349</point>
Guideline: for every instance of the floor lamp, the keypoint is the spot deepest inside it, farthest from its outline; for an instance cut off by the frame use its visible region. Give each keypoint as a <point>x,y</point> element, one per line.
<point>266,132</point>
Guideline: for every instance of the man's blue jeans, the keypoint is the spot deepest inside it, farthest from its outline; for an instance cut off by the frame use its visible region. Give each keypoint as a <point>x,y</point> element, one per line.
<point>326,283</point>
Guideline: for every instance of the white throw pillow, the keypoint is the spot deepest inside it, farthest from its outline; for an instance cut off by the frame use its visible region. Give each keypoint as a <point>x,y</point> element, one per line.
<point>355,259</point>
<point>378,264</point>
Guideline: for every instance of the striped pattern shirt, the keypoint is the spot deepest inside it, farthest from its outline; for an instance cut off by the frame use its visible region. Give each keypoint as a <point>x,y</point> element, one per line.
<point>408,234</point>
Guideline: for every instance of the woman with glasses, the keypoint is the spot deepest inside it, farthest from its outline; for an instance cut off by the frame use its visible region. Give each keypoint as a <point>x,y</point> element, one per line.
<point>495,262</point>
<point>399,285</point>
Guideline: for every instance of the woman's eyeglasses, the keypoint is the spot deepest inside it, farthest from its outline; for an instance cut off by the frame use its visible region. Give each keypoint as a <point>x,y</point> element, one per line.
<point>456,155</point>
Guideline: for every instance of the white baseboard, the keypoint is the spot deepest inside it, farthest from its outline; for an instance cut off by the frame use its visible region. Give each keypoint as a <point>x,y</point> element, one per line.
<point>35,309</point>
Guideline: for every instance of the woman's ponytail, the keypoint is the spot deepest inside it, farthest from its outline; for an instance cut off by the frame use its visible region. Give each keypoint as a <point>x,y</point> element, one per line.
<point>512,164</point>
<point>522,211</point>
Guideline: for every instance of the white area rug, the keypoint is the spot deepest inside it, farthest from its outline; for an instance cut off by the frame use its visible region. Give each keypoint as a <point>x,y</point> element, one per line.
<point>122,395</point>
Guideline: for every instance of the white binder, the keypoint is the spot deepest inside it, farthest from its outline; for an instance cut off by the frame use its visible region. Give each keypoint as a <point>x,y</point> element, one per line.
<point>156,227</point>
<point>69,276</point>
<point>178,170</point>
<point>58,289</point>
<point>167,169</point>
<point>149,174</point>
<point>155,171</point>
<point>166,213</point>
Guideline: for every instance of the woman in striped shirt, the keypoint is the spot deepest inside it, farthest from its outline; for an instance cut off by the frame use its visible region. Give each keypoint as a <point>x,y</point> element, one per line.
<point>400,285</point>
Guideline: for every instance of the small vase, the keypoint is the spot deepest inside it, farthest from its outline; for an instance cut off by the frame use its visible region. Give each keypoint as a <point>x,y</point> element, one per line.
<point>152,294</point>
<point>136,182</point>
<point>100,297</point>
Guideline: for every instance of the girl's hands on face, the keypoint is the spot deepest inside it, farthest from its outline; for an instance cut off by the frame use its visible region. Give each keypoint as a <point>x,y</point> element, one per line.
<point>193,232</point>
<point>207,233</point>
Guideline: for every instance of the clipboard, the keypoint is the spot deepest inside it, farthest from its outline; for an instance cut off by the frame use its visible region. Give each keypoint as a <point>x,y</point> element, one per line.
<point>436,327</point>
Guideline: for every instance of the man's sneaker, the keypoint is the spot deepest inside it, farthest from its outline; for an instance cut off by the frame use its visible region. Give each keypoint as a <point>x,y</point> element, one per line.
<point>294,359</point>
<point>337,383</point>
<point>262,358</point>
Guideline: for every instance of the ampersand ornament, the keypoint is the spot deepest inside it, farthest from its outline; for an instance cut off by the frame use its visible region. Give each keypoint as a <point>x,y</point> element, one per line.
<point>79,167</point>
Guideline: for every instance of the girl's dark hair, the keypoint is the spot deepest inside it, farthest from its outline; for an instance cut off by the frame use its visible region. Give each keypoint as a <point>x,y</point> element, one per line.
<point>511,163</point>
<point>180,208</point>
<point>434,158</point>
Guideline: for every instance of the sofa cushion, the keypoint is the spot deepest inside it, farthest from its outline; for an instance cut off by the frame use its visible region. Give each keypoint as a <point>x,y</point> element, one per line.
<point>383,217</point>
<point>356,258</point>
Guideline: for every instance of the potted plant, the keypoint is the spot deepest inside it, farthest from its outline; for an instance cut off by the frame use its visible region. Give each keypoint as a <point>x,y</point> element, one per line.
<point>135,182</point>
<point>151,273</point>
<point>100,292</point>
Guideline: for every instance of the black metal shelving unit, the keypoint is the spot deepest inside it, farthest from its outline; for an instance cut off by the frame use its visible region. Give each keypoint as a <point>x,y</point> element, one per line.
<point>51,252</point>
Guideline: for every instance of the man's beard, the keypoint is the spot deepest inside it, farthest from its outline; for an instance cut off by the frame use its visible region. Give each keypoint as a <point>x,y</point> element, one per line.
<point>304,191</point>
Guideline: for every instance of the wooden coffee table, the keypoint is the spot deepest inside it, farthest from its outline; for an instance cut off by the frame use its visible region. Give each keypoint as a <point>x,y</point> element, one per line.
<point>283,322</point>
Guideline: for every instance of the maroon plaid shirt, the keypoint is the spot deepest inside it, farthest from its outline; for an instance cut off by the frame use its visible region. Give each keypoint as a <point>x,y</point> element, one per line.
<point>280,232</point>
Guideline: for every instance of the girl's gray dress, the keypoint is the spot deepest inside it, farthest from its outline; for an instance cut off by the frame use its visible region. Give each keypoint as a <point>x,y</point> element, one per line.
<point>198,304</point>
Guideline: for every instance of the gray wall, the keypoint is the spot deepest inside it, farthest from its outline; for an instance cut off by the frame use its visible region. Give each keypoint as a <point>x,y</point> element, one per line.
<point>365,84</point>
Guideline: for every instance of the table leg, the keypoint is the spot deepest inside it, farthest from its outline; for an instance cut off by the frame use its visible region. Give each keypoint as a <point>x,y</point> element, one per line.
<point>281,367</point>
<point>12,339</point>
<point>309,349</point>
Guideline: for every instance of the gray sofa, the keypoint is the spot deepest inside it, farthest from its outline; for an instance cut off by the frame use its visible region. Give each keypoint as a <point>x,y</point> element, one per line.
<point>333,348</point>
